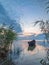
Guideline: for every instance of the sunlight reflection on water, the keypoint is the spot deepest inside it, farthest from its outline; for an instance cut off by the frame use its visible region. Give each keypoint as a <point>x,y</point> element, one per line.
<point>28,57</point>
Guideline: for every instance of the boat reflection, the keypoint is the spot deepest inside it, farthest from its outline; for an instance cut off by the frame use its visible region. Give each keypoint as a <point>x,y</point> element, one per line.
<point>28,57</point>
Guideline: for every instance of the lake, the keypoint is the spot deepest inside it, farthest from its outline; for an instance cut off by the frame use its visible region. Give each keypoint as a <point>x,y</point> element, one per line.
<point>27,57</point>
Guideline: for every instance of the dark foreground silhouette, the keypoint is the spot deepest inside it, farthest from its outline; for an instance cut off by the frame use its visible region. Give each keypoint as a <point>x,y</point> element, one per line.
<point>32,45</point>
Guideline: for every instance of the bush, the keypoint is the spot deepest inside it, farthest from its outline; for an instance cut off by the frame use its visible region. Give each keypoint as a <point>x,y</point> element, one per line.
<point>7,36</point>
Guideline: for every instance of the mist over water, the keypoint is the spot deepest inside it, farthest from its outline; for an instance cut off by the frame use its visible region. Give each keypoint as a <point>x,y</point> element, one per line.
<point>27,57</point>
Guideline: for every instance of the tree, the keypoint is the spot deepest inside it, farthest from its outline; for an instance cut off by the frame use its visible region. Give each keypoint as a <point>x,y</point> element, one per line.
<point>44,27</point>
<point>7,36</point>
<point>47,6</point>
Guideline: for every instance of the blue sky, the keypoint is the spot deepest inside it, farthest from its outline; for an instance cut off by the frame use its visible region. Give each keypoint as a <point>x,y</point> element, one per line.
<point>28,12</point>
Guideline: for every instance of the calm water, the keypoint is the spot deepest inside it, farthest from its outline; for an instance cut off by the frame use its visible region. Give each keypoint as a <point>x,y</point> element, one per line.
<point>26,57</point>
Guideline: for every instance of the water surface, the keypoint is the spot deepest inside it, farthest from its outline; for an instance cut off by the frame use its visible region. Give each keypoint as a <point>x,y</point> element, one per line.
<point>27,57</point>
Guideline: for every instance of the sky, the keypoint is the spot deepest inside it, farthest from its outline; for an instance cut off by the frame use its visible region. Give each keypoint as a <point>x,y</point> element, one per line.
<point>27,11</point>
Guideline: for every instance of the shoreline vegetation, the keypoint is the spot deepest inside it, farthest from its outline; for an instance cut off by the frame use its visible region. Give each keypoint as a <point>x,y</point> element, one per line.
<point>7,36</point>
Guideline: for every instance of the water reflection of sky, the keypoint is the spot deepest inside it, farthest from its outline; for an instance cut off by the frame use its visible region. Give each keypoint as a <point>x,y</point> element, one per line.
<point>29,57</point>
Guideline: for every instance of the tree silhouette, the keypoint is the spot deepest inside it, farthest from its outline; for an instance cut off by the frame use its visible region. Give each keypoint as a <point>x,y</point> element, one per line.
<point>7,35</point>
<point>47,6</point>
<point>44,27</point>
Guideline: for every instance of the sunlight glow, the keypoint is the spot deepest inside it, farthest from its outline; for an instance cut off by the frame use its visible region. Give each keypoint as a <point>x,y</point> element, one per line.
<point>30,31</point>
